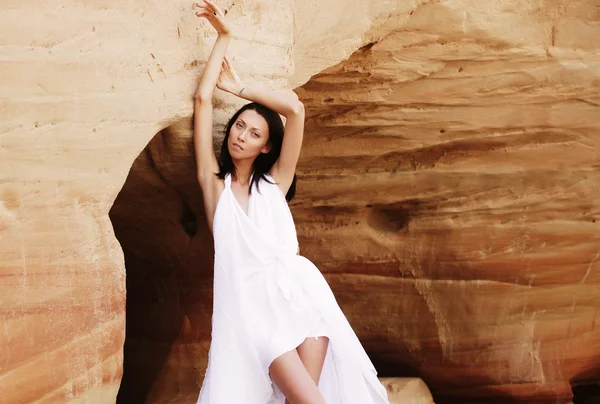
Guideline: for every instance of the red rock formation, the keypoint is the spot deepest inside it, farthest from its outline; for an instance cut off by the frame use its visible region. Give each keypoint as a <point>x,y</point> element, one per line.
<point>448,189</point>
<point>450,179</point>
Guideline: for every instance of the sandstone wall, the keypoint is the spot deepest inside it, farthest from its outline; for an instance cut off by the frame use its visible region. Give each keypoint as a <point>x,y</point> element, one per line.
<point>448,189</point>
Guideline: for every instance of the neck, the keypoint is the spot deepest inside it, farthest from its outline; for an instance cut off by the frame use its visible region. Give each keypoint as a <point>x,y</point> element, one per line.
<point>243,173</point>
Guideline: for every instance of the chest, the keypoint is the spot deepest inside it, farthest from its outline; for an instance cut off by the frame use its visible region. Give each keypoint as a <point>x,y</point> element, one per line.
<point>256,221</point>
<point>241,197</point>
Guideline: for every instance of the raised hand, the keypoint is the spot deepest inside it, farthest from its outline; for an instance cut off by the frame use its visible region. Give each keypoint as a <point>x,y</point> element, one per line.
<point>214,15</point>
<point>228,79</point>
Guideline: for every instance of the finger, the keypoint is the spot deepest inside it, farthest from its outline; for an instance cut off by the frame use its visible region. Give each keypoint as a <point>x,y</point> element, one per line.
<point>212,6</point>
<point>226,60</point>
<point>201,6</point>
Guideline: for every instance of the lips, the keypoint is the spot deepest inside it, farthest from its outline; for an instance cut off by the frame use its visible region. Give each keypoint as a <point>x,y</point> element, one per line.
<point>238,146</point>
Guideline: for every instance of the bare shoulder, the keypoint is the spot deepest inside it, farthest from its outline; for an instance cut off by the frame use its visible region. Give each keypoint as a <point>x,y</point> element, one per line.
<point>218,188</point>
<point>212,188</point>
<point>211,184</point>
<point>282,181</point>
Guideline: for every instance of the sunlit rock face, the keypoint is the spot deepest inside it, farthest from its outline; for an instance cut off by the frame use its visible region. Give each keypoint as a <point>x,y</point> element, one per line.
<point>406,390</point>
<point>448,189</point>
<point>84,87</point>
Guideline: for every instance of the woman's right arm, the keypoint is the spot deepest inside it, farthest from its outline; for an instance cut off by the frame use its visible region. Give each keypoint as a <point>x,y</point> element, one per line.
<point>206,161</point>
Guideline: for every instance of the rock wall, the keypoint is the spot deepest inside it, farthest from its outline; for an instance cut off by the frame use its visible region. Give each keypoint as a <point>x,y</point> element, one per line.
<point>451,177</point>
<point>85,86</point>
<point>448,188</point>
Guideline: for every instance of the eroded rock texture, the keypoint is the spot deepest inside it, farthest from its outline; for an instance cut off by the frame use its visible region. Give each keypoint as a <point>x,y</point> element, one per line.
<point>84,87</point>
<point>407,391</point>
<point>448,189</point>
<point>451,179</point>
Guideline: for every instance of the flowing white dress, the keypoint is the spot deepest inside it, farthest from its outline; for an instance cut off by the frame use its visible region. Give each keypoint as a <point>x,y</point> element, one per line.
<point>267,300</point>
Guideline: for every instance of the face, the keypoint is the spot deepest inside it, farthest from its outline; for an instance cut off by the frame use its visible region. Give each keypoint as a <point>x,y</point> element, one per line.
<point>248,136</point>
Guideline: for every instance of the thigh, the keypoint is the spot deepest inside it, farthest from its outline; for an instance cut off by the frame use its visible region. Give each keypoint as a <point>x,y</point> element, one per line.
<point>294,381</point>
<point>312,354</point>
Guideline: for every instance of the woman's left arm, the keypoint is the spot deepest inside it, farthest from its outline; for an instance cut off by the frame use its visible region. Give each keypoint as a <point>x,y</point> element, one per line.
<point>285,103</point>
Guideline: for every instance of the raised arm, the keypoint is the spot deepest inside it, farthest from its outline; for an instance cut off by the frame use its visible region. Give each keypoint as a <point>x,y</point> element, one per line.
<point>206,161</point>
<point>285,103</point>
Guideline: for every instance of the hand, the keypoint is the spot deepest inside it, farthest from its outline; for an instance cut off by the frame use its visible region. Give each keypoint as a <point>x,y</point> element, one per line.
<point>214,15</point>
<point>228,79</point>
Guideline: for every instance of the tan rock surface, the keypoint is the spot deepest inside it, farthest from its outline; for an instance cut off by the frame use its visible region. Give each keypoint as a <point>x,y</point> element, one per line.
<point>451,177</point>
<point>84,87</point>
<point>406,390</point>
<point>448,189</point>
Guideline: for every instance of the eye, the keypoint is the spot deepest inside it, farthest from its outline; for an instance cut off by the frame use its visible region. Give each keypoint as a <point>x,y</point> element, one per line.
<point>255,134</point>
<point>239,125</point>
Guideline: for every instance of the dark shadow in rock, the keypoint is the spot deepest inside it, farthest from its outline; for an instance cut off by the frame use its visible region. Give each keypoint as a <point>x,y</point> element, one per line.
<point>586,386</point>
<point>159,220</point>
<point>587,394</point>
<point>389,219</point>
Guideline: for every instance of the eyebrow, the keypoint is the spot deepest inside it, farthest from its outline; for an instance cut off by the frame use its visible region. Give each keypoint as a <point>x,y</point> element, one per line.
<point>246,124</point>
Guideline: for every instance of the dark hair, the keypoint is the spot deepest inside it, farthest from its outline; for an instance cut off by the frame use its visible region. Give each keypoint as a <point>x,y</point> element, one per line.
<point>264,161</point>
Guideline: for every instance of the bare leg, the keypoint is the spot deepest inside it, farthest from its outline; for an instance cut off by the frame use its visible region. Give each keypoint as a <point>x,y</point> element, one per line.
<point>294,381</point>
<point>312,354</point>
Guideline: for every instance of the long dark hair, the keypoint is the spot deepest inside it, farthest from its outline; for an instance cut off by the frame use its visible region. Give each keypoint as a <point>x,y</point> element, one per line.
<point>264,161</point>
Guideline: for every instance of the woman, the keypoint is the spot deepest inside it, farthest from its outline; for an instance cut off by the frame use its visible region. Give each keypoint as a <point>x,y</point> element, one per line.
<point>278,334</point>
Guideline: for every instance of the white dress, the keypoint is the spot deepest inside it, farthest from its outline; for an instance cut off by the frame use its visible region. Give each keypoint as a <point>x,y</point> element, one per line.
<point>267,300</point>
